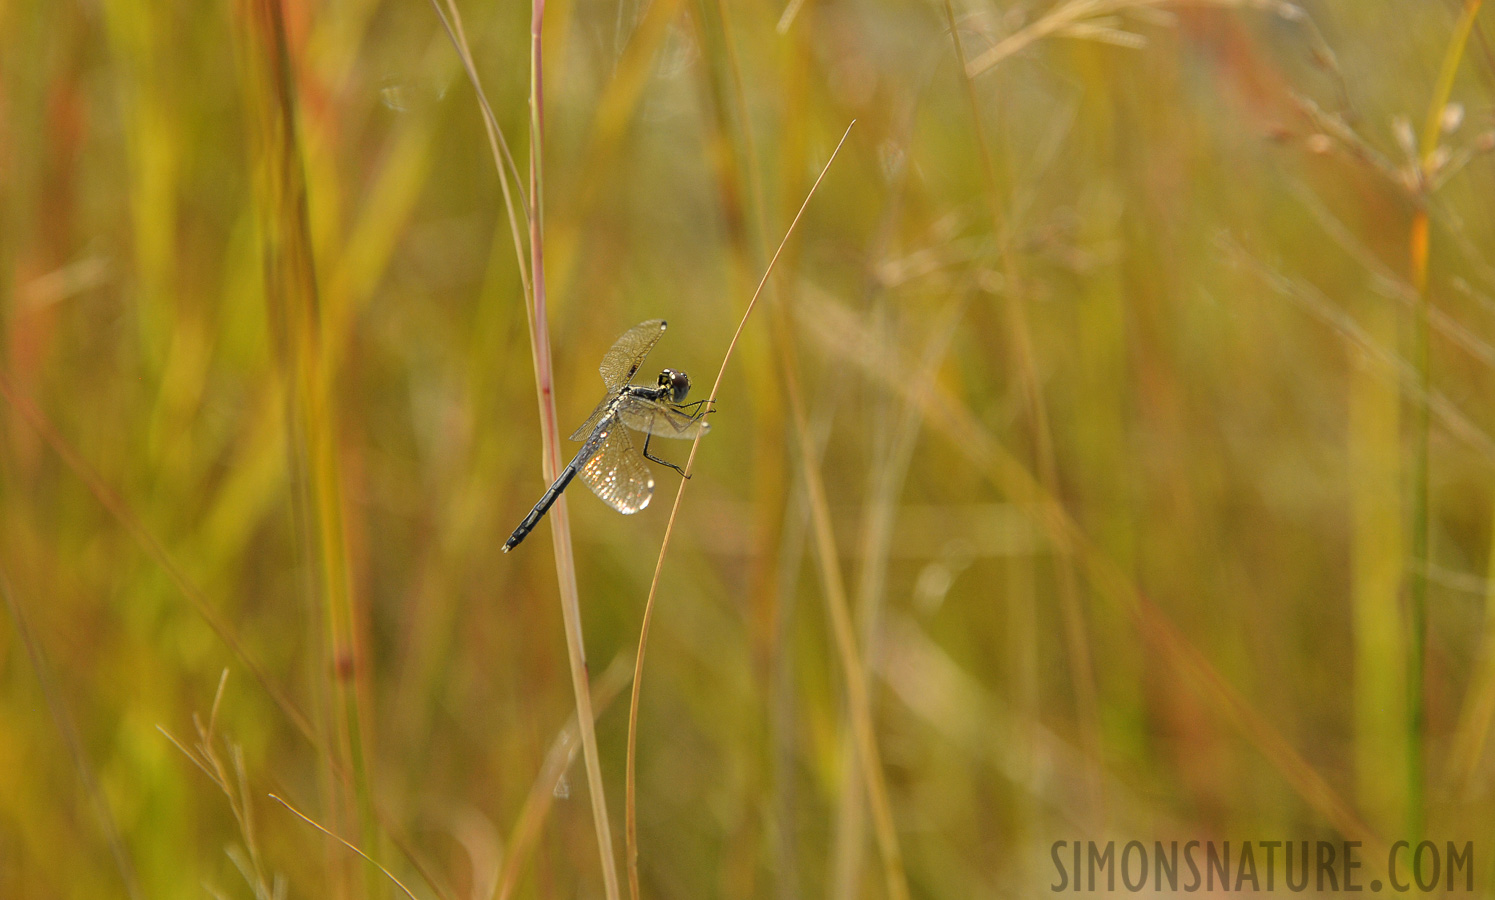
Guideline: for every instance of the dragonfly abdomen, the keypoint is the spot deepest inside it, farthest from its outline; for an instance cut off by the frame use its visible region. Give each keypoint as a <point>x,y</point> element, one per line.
<point>547,501</point>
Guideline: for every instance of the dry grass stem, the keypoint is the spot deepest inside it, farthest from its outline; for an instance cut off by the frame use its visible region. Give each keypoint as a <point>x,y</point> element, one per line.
<point>562,753</point>
<point>631,832</point>
<point>1077,643</point>
<point>69,733</point>
<point>837,331</point>
<point>1100,20</point>
<point>1111,458</point>
<point>318,826</point>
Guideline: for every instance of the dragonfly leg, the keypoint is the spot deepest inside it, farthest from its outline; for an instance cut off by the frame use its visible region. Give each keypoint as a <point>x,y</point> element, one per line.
<point>695,408</point>
<point>662,462</point>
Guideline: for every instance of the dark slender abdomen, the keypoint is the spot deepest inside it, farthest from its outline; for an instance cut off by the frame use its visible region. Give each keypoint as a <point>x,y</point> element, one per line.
<point>547,501</point>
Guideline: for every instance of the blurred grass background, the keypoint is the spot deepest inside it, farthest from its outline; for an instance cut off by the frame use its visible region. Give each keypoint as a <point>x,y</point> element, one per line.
<point>1110,354</point>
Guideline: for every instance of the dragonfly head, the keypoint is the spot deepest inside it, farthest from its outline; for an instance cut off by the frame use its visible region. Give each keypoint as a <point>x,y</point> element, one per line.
<point>677,383</point>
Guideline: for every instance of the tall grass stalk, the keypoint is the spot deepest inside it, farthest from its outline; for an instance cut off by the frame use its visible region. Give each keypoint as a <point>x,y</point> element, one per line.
<point>887,472</point>
<point>153,548</point>
<point>68,731</point>
<point>837,331</point>
<point>613,113</point>
<point>1077,643</point>
<point>833,587</point>
<point>296,318</point>
<point>732,103</point>
<point>1417,575</point>
<point>525,835</point>
<point>560,519</point>
<point>533,276</point>
<point>156,551</point>
<point>631,799</point>
<point>1421,520</point>
<point>503,159</point>
<point>258,324</point>
<point>786,703</point>
<point>886,481</point>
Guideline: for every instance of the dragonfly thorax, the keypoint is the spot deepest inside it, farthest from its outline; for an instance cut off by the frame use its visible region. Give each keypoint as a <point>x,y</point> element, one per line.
<point>676,383</point>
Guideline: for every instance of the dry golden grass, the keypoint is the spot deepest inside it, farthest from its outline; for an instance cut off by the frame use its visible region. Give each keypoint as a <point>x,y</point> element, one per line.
<point>1111,456</point>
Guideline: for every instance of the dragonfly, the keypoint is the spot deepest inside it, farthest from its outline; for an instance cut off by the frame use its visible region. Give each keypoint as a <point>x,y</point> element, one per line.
<point>607,460</point>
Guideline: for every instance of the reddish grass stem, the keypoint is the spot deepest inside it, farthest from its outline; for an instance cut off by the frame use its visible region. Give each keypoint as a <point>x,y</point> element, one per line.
<point>533,279</point>
<point>560,532</point>
<point>550,432</point>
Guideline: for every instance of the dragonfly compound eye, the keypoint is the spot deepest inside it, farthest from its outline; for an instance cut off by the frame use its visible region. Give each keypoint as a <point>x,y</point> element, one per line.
<point>679,384</point>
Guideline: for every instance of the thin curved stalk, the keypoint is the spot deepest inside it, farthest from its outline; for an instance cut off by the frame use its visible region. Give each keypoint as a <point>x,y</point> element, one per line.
<point>345,842</point>
<point>631,811</point>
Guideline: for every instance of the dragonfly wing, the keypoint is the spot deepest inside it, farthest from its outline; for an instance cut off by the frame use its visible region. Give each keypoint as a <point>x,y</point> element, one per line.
<point>661,419</point>
<point>616,472</point>
<point>590,425</point>
<point>622,362</point>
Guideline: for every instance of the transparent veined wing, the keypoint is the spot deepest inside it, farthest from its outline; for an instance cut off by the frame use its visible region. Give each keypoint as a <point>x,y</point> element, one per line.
<point>590,425</point>
<point>616,472</point>
<point>622,362</point>
<point>661,419</point>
